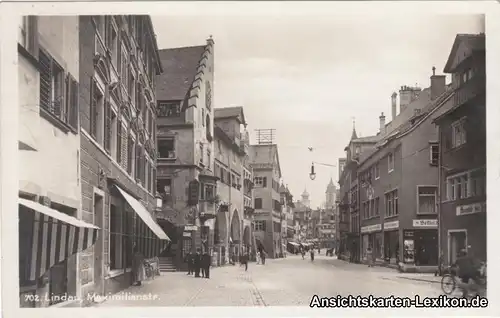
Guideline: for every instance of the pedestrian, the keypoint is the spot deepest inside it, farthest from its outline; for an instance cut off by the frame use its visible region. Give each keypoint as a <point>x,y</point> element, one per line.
<point>312,254</point>
<point>206,261</point>
<point>197,263</point>
<point>319,250</point>
<point>189,260</point>
<point>263,257</point>
<point>138,269</point>
<point>369,256</point>
<point>303,253</point>
<point>244,260</point>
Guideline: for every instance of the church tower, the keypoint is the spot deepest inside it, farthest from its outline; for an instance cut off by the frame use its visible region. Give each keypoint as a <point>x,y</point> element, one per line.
<point>331,191</point>
<point>305,199</point>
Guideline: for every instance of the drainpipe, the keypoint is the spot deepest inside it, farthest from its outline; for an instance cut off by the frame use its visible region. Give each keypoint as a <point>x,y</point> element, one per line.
<point>438,203</point>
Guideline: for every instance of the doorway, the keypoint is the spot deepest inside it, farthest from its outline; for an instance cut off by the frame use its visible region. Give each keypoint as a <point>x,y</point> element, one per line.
<point>99,245</point>
<point>457,241</point>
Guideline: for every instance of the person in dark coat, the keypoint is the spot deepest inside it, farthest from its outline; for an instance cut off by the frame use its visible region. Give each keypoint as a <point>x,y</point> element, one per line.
<point>197,263</point>
<point>206,261</point>
<point>244,260</point>
<point>189,260</point>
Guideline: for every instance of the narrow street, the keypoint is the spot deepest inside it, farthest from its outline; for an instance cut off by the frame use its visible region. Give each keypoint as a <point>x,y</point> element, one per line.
<point>281,282</point>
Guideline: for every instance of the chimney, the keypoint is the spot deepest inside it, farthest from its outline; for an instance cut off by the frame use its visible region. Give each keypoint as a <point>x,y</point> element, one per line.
<point>407,95</point>
<point>210,41</point>
<point>438,84</point>
<point>382,123</point>
<point>393,104</point>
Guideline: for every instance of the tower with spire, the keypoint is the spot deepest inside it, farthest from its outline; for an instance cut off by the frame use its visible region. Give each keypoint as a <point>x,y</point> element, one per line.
<point>331,190</point>
<point>305,198</point>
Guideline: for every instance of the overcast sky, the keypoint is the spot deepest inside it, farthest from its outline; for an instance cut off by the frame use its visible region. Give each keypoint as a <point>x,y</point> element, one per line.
<point>308,76</point>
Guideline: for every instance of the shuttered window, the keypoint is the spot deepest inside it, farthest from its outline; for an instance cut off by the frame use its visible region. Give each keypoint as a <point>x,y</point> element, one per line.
<point>130,155</point>
<point>72,102</point>
<point>107,127</point>
<point>138,156</point>
<point>93,108</point>
<point>119,141</point>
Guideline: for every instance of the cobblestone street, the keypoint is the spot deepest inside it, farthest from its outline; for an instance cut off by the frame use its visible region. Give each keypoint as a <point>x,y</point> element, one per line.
<point>282,282</point>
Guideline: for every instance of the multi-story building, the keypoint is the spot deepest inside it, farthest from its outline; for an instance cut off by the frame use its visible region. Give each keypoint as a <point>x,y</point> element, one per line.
<point>462,152</point>
<point>287,205</point>
<point>185,129</point>
<point>398,206</point>
<point>349,196</point>
<point>302,217</point>
<point>50,206</point>
<point>267,218</point>
<point>118,62</point>
<point>233,223</point>
<point>326,227</point>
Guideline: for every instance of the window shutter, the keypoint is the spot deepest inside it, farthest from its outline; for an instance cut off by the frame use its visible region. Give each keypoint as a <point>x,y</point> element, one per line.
<point>264,182</point>
<point>73,106</point>
<point>137,162</point>
<point>45,64</point>
<point>124,147</point>
<point>119,140</point>
<point>93,110</point>
<point>107,126</point>
<point>130,154</point>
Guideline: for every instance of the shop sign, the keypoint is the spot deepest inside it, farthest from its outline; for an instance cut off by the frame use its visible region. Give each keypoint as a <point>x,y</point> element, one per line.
<point>471,208</point>
<point>189,228</point>
<point>186,234</point>
<point>371,228</point>
<point>391,225</point>
<point>428,223</point>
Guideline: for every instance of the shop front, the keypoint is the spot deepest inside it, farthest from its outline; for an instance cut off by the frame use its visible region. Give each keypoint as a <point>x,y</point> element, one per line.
<point>391,242</point>
<point>372,238</point>
<point>420,244</point>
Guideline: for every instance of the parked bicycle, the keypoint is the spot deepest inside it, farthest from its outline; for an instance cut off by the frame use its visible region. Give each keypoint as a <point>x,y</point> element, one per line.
<point>450,281</point>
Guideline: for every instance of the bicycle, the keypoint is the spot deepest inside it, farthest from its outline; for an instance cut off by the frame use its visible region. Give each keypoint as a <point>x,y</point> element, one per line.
<point>449,281</point>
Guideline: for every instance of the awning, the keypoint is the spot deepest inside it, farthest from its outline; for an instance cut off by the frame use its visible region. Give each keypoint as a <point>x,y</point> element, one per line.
<point>293,243</point>
<point>150,239</point>
<point>55,236</point>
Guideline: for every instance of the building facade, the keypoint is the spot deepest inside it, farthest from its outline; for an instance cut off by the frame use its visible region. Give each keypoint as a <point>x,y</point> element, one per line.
<point>462,152</point>
<point>267,218</point>
<point>118,62</point>
<point>185,129</point>
<point>302,214</point>
<point>233,233</point>
<point>50,205</point>
<point>287,228</point>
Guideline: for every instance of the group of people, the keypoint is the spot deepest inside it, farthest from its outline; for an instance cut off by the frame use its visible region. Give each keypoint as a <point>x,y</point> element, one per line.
<point>198,262</point>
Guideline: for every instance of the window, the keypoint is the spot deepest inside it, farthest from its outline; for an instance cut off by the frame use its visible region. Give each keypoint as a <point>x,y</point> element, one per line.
<point>222,175</point>
<point>259,225</point>
<point>119,141</point>
<point>113,134</point>
<point>458,133</point>
<point>115,239</point>
<point>112,44</point>
<point>28,34</point>
<point>376,171</point>
<point>426,200</point>
<point>260,182</point>
<point>358,150</point>
<point>139,99</point>
<point>391,204</point>
<point>150,122</point>
<point>100,25</point>
<point>108,127</point>
<point>390,162</point>
<point>465,185</point>
<point>139,163</point>
<point>52,86</point>
<point>169,109</point>
<point>258,203</point>
<point>201,154</point>
<point>208,95</point>
<point>187,246</point>
<point>166,148</point>
<point>124,68</point>
<point>434,153</point>
<point>130,155</point>
<point>207,191</point>
<point>209,159</point>
<point>164,188</point>
<point>131,84</point>
<point>97,112</point>
<point>376,209</point>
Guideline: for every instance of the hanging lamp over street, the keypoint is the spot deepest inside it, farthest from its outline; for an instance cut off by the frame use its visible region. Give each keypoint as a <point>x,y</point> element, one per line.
<point>312,175</point>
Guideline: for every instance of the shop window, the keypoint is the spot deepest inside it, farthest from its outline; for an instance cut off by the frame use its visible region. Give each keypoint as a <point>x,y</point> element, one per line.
<point>426,199</point>
<point>115,238</point>
<point>166,148</point>
<point>258,203</point>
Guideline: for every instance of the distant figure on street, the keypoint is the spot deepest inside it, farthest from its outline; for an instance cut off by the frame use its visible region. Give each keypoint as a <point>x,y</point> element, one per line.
<point>319,250</point>
<point>206,261</point>
<point>369,256</point>
<point>263,256</point>
<point>303,253</point>
<point>312,254</point>
<point>138,269</point>
<point>189,260</point>
<point>197,263</point>
<point>244,260</point>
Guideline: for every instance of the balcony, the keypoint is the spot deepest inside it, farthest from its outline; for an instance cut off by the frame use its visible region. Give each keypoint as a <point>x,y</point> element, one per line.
<point>470,90</point>
<point>207,210</point>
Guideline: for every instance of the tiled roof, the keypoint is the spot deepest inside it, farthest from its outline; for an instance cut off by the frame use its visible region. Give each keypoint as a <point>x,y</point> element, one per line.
<point>230,112</point>
<point>179,70</point>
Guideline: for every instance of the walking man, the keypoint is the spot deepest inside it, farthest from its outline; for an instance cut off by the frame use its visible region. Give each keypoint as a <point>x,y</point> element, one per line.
<point>206,261</point>
<point>189,260</point>
<point>197,263</point>
<point>244,260</point>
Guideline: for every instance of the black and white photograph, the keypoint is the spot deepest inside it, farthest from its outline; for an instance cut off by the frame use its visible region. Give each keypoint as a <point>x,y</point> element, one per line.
<point>210,159</point>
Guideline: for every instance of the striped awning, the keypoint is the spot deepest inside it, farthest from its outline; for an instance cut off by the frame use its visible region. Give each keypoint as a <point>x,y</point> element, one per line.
<point>151,240</point>
<point>55,236</point>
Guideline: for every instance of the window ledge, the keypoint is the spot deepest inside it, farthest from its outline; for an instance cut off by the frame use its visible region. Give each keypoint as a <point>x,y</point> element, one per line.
<point>426,213</point>
<point>390,217</point>
<point>65,128</point>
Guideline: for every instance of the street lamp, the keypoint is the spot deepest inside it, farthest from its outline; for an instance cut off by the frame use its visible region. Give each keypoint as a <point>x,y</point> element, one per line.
<point>312,174</point>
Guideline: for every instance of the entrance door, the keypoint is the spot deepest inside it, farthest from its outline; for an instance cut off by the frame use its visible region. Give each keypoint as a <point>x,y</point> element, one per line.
<point>457,242</point>
<point>98,247</point>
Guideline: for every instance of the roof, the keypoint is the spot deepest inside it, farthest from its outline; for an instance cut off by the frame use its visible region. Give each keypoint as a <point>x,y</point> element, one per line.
<point>180,66</point>
<point>475,42</point>
<point>283,189</point>
<point>230,112</point>
<point>261,154</point>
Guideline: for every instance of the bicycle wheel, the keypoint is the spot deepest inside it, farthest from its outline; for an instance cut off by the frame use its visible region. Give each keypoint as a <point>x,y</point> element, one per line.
<point>448,284</point>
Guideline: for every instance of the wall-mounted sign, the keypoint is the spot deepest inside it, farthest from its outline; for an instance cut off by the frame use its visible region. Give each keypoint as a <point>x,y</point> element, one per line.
<point>189,228</point>
<point>471,208</point>
<point>391,225</point>
<point>427,223</point>
<point>186,234</point>
<point>371,228</point>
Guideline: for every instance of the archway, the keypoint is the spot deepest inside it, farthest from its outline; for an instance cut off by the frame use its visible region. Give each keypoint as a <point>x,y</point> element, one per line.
<point>235,237</point>
<point>246,239</point>
<point>220,238</point>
